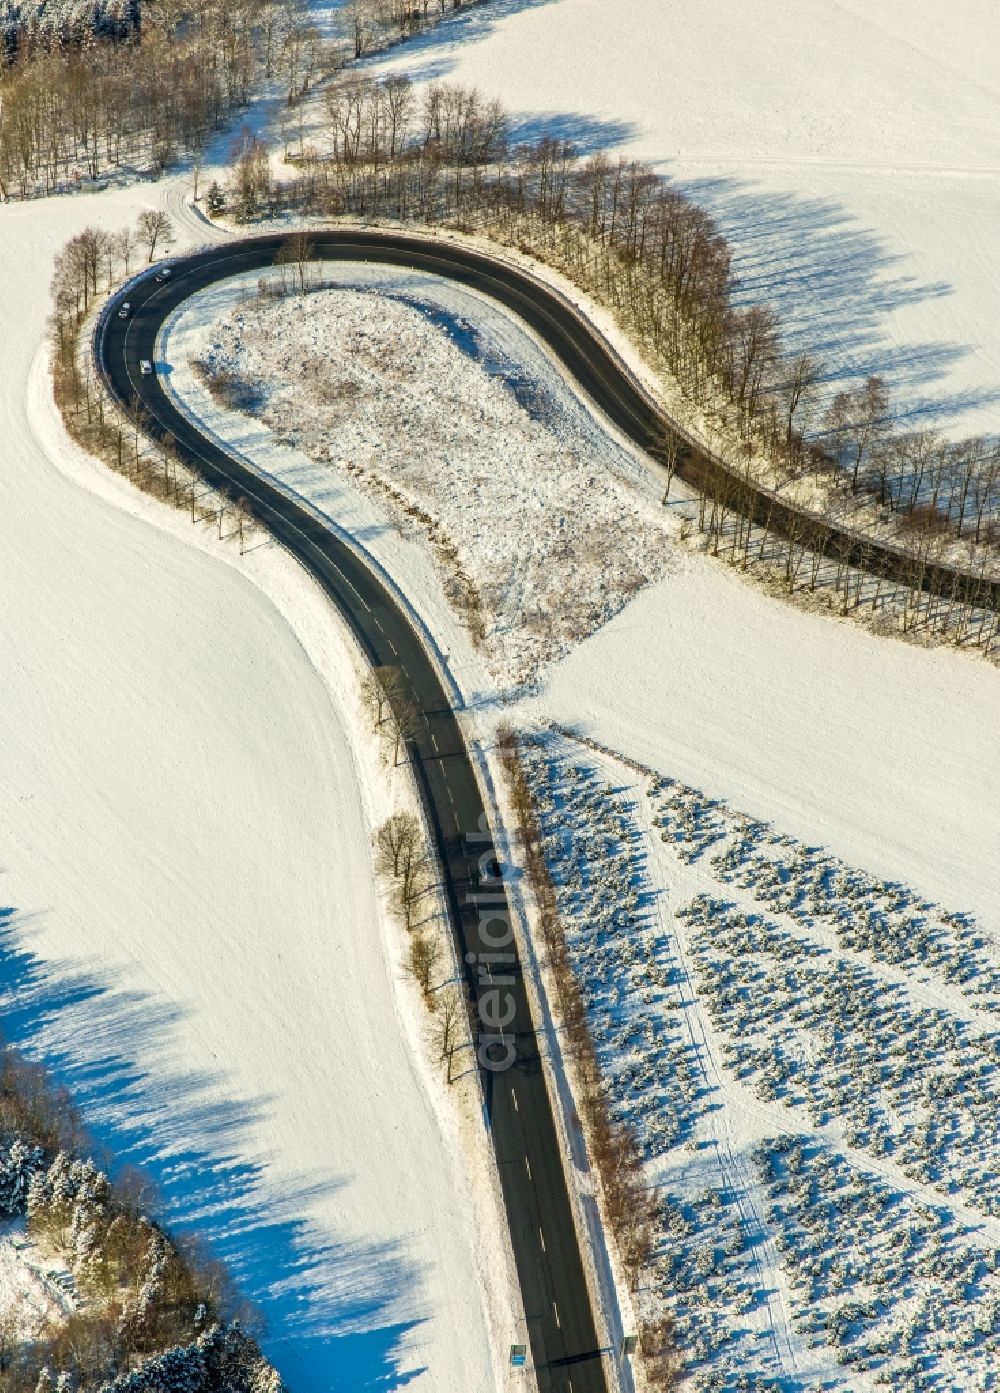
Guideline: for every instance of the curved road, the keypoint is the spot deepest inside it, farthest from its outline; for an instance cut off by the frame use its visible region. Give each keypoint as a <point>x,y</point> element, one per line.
<point>561,1327</point>
<point>563,1342</point>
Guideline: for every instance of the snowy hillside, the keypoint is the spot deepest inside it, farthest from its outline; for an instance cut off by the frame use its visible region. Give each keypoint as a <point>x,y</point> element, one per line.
<point>850,152</point>
<point>875,749</point>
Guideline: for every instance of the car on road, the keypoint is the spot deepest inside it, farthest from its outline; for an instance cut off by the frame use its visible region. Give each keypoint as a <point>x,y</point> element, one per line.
<point>125,311</point>
<point>145,367</point>
<point>163,275</point>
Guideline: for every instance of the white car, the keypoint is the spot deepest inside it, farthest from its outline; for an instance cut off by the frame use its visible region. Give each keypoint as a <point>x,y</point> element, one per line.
<point>163,275</point>
<point>146,367</point>
<point>125,310</point>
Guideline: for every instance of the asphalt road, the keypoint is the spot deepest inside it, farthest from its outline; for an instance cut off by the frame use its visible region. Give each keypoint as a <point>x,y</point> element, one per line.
<point>547,1256</point>
<point>563,1342</point>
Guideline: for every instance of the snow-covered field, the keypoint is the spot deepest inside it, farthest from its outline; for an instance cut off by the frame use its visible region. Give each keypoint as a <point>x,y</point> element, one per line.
<point>876,749</point>
<point>850,152</point>
<point>190,927</point>
<point>417,392</point>
<point>809,1056</point>
<point>185,792</point>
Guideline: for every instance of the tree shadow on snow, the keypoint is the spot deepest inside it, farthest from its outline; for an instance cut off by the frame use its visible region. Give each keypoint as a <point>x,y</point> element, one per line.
<point>431,57</point>
<point>586,134</point>
<point>834,282</point>
<point>332,1310</point>
<point>835,285</point>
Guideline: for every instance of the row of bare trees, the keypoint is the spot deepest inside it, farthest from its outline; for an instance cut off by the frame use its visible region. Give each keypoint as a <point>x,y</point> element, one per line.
<point>88,265</point>
<point>94,260</point>
<point>943,486</point>
<point>403,865</point>
<point>89,89</point>
<point>632,1209</point>
<point>374,122</point>
<point>920,594</point>
<point>394,717</point>
<point>660,262</point>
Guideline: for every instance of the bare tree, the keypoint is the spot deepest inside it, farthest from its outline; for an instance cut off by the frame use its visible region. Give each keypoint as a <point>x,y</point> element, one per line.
<point>381,687</point>
<point>399,857</point>
<point>857,423</point>
<point>986,491</point>
<point>399,107</point>
<point>154,227</point>
<point>668,447</point>
<point>756,351</point>
<point>424,956</point>
<point>125,246</point>
<point>397,843</point>
<point>141,423</point>
<point>404,723</point>
<point>297,251</point>
<point>362,25</point>
<point>965,458</point>
<point>244,521</point>
<point>448,1034</point>
<point>804,373</point>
